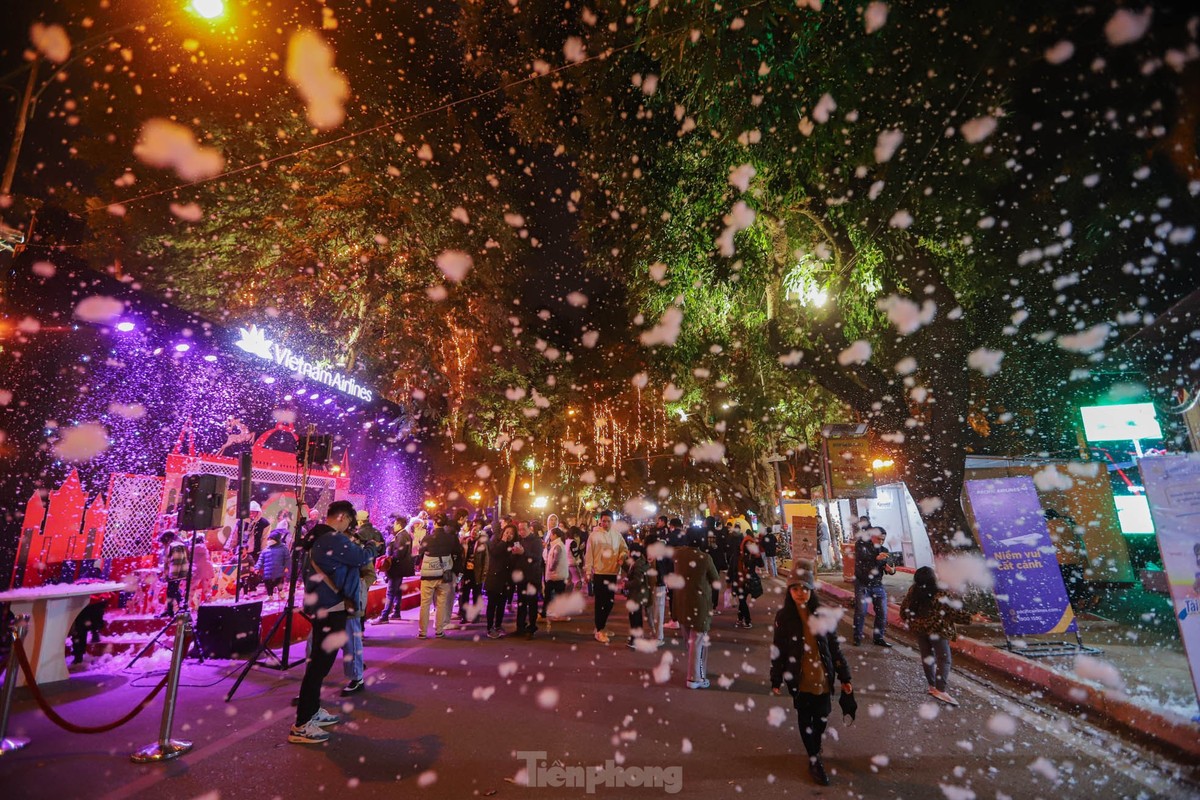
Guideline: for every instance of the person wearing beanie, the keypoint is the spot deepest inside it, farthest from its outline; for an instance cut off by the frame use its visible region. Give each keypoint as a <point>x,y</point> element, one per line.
<point>806,660</point>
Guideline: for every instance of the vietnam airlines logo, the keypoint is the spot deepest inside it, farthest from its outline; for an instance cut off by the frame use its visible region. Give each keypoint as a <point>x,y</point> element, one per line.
<point>255,342</point>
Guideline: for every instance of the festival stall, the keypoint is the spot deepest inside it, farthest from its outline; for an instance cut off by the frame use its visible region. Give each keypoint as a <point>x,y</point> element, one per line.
<point>122,396</point>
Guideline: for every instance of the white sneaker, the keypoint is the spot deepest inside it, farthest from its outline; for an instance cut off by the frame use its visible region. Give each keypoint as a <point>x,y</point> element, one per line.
<point>601,637</point>
<point>323,719</point>
<point>700,684</point>
<point>308,733</point>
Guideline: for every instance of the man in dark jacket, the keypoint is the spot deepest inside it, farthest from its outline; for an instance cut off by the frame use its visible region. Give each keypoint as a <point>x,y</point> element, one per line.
<point>527,569</point>
<point>331,584</point>
<point>770,546</point>
<point>440,554</point>
<point>399,551</point>
<point>870,564</point>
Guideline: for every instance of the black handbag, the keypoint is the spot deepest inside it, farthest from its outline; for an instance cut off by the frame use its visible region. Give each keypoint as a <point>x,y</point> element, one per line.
<point>754,585</point>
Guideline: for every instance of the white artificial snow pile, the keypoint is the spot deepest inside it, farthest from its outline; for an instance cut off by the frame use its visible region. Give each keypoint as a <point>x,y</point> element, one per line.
<point>99,309</point>
<point>1100,671</point>
<point>985,360</point>
<point>740,177</point>
<point>978,129</point>
<point>454,264</point>
<point>166,144</point>
<point>886,144</point>
<point>82,442</point>
<point>857,353</point>
<point>1060,52</point>
<point>51,41</point>
<point>188,212</point>
<point>1002,724</point>
<point>323,89</point>
<point>667,330</point>
<point>1049,479</point>
<point>130,411</point>
<point>662,673</point>
<point>708,451</point>
<point>548,698</point>
<point>573,49</point>
<point>740,217</point>
<point>905,314</point>
<point>776,716</point>
<point>1126,27</point>
<point>824,107</point>
<point>43,269</point>
<point>825,619</point>
<point>1043,767</point>
<point>875,17</point>
<point>962,572</point>
<point>1087,341</point>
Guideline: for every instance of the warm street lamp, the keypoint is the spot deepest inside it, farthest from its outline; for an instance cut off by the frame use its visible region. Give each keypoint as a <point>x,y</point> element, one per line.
<point>208,9</point>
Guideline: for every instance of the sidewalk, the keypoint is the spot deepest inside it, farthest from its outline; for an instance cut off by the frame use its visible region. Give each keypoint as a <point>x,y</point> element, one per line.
<point>1159,701</point>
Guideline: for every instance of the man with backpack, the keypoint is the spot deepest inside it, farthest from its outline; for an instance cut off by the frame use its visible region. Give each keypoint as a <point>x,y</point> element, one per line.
<point>331,588</point>
<point>440,555</point>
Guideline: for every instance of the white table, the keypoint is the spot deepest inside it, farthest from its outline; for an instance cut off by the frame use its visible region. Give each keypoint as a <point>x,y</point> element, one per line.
<point>51,609</point>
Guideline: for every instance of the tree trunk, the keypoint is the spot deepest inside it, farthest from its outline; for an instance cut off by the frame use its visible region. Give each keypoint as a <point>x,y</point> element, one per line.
<point>512,482</point>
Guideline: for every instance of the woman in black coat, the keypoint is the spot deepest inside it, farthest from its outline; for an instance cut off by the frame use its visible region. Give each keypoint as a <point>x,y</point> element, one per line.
<point>498,580</point>
<point>807,661</point>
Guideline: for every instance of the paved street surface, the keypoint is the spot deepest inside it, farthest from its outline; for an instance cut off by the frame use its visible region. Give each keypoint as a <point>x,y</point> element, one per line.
<point>449,718</point>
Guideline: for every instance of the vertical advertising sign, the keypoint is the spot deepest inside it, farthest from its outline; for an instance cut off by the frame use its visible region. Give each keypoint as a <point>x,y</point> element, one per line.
<point>1013,534</point>
<point>848,469</point>
<point>1173,489</point>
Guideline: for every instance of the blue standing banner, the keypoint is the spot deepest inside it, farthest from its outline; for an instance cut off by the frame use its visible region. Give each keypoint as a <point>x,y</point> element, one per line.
<point>1013,534</point>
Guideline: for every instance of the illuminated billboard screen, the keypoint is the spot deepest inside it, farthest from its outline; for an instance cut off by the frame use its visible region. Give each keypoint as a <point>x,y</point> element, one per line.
<point>1133,513</point>
<point>1120,423</point>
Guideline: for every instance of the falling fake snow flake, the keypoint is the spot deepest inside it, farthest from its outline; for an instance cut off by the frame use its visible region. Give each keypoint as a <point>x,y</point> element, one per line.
<point>886,145</point>
<point>667,330</point>
<point>1126,27</point>
<point>82,442</point>
<point>985,361</point>
<point>163,143</point>
<point>1086,341</point>
<point>454,264</point>
<point>875,17</point>
<point>857,353</point>
<point>99,309</point>
<point>776,716</point>
<point>1002,724</point>
<point>321,86</point>
<point>978,129</point>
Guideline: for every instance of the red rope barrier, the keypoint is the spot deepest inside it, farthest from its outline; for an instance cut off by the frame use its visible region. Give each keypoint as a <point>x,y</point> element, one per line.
<point>53,716</point>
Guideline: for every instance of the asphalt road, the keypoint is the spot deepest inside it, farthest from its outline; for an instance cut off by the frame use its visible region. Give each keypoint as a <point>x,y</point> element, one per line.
<point>456,718</point>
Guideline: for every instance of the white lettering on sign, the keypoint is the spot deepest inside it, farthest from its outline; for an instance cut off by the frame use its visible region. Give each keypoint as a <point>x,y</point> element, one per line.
<point>255,342</point>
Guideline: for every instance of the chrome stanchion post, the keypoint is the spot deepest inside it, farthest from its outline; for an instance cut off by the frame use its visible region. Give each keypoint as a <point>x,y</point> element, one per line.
<point>10,744</point>
<point>167,748</point>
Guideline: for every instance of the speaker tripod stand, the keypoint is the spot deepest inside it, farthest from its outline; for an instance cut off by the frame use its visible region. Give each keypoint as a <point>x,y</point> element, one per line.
<point>310,449</point>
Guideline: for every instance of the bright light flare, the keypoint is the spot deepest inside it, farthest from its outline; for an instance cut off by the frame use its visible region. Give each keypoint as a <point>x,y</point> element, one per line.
<point>208,9</point>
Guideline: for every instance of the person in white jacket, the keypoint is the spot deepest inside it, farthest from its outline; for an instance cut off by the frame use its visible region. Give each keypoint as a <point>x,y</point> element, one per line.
<point>606,552</point>
<point>558,568</point>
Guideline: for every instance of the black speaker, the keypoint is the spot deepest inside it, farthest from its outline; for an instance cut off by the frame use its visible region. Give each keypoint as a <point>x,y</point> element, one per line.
<point>229,630</point>
<point>203,505</point>
<point>245,470</point>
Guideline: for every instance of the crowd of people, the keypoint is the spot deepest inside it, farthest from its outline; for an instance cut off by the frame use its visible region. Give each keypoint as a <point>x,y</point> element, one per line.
<point>481,571</point>
<point>475,570</point>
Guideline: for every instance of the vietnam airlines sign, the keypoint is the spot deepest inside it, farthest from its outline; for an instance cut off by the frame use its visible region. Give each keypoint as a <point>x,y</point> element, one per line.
<point>253,340</point>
